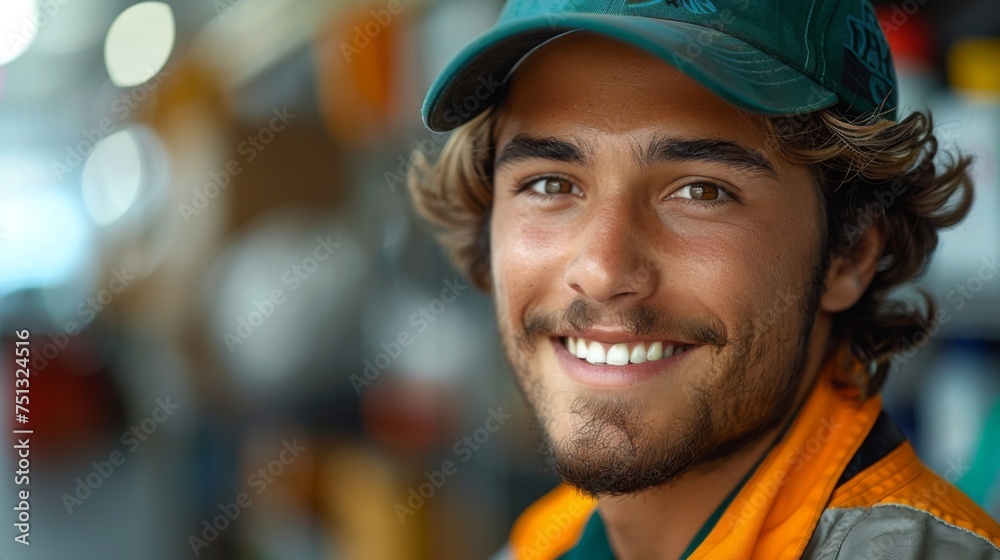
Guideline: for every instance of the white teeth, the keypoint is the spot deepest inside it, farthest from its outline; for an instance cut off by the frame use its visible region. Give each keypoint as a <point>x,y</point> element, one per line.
<point>595,353</point>
<point>618,355</point>
<point>638,354</point>
<point>655,351</point>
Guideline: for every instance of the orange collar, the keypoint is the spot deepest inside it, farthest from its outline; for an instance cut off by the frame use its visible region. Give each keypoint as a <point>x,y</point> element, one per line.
<point>774,514</point>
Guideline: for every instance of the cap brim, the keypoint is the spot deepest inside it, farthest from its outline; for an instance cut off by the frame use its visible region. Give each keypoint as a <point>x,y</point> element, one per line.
<point>732,68</point>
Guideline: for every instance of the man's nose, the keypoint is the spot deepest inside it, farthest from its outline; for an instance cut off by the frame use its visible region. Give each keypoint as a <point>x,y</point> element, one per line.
<point>614,261</point>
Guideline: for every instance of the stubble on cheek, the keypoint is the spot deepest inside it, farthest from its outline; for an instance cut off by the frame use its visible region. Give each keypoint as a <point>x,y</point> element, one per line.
<point>741,385</point>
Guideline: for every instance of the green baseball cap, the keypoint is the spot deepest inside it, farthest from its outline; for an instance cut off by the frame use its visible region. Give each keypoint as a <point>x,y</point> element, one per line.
<point>772,57</point>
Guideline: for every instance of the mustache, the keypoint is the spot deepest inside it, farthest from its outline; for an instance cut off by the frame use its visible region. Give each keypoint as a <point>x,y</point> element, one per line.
<point>639,320</point>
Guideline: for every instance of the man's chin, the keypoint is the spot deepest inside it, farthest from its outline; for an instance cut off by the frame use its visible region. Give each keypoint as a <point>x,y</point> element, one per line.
<point>606,473</point>
<point>609,446</point>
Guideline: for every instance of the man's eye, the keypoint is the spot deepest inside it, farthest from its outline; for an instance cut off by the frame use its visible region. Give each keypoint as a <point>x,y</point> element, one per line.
<point>554,185</point>
<point>701,191</point>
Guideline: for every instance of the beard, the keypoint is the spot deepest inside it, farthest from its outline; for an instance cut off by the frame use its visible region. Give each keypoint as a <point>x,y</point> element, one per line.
<point>622,444</point>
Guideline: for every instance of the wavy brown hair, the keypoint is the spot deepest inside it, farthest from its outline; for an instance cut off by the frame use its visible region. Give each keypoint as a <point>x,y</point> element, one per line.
<point>872,173</point>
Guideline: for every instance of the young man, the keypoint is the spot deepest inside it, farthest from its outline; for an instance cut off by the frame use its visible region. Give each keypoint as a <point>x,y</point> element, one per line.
<point>689,214</point>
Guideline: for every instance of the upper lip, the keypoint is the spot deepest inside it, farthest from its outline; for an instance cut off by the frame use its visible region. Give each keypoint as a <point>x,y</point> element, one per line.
<point>616,336</point>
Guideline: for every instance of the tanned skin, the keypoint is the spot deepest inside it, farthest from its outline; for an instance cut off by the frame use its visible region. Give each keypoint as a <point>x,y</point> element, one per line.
<point>633,204</point>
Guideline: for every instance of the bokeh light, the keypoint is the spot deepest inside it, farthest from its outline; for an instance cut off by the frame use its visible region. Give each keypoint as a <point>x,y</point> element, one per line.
<point>44,237</point>
<point>139,43</point>
<point>19,20</point>
<point>112,177</point>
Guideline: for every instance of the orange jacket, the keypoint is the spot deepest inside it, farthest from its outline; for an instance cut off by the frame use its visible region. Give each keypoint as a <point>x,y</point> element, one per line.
<point>842,483</point>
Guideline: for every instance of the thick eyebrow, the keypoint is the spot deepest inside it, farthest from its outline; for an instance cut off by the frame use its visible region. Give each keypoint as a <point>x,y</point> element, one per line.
<point>659,150</point>
<point>523,147</point>
<point>665,150</point>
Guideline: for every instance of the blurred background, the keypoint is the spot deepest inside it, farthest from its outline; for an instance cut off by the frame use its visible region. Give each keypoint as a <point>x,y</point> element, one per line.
<point>244,345</point>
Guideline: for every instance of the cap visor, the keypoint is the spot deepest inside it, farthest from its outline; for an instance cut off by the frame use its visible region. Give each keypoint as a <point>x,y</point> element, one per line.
<point>732,68</point>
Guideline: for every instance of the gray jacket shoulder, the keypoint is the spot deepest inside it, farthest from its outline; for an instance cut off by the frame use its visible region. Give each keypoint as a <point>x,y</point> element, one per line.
<point>893,532</point>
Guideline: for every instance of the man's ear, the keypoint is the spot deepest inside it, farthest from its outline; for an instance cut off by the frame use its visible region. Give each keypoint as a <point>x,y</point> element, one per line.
<point>850,275</point>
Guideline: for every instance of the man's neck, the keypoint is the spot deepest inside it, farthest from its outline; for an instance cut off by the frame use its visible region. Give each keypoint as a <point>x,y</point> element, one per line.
<point>660,524</point>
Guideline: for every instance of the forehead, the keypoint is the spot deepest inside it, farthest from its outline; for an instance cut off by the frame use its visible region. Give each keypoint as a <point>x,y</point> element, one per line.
<point>583,84</point>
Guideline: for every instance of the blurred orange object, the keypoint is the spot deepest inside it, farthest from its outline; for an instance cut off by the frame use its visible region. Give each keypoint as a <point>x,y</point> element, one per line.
<point>356,69</point>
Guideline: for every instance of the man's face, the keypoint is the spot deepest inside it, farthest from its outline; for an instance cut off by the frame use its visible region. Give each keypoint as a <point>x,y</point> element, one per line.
<point>637,210</point>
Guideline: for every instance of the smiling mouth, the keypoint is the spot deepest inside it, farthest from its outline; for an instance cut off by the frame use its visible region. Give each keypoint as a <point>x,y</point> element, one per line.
<point>622,354</point>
